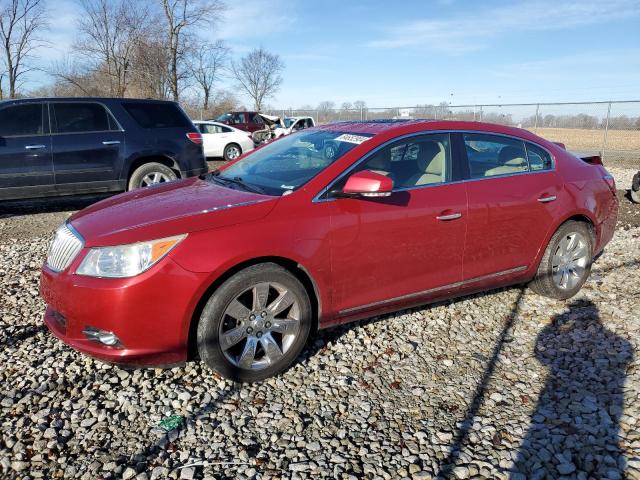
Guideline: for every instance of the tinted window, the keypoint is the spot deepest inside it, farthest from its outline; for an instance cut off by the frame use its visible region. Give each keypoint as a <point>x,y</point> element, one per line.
<point>81,117</point>
<point>157,115</point>
<point>21,120</point>
<point>257,119</point>
<point>491,155</point>
<point>225,129</point>
<point>539,158</point>
<point>240,118</point>
<point>417,161</point>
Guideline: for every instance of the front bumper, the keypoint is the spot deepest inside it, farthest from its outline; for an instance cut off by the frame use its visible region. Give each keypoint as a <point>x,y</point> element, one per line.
<point>150,313</point>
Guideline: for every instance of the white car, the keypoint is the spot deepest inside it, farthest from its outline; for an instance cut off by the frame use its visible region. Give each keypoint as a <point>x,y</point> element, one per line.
<point>220,140</point>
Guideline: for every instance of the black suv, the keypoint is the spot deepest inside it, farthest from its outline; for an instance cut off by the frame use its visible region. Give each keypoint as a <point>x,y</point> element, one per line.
<point>63,146</point>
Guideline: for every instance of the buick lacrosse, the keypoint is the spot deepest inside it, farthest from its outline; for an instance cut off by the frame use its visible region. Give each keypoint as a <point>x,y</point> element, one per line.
<point>325,226</point>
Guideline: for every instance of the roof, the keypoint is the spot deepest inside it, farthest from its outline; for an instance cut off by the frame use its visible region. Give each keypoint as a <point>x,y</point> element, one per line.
<point>83,99</point>
<point>375,127</point>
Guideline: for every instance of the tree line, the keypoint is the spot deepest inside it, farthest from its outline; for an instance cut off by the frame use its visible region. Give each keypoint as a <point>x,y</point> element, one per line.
<point>163,49</point>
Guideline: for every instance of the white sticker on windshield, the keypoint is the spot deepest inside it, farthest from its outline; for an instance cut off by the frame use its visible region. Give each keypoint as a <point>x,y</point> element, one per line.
<point>350,138</point>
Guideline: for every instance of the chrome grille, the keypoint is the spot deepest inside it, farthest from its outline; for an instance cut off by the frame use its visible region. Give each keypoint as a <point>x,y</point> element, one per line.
<point>63,249</point>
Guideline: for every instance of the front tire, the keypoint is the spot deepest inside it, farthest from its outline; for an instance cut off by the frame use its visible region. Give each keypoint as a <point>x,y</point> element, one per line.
<point>255,324</point>
<point>566,263</point>
<point>232,151</point>
<point>151,173</point>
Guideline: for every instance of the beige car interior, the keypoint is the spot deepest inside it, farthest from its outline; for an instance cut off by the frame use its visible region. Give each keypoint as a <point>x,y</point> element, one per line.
<point>511,160</point>
<point>427,168</point>
<point>431,164</point>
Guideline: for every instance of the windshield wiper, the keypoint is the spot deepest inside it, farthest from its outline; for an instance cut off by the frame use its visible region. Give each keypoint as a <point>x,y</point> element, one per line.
<point>237,181</point>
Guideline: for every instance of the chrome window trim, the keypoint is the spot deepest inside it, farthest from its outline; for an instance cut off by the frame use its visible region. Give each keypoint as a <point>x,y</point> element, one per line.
<point>448,286</point>
<point>317,199</point>
<point>51,106</point>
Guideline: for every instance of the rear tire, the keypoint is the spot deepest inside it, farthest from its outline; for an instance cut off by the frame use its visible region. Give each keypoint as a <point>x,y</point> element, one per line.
<point>232,151</point>
<point>255,324</point>
<point>151,173</point>
<point>566,262</point>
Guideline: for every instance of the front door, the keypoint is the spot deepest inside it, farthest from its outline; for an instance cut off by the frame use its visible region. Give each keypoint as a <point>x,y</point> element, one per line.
<point>87,145</point>
<point>512,193</point>
<point>25,150</point>
<point>406,247</point>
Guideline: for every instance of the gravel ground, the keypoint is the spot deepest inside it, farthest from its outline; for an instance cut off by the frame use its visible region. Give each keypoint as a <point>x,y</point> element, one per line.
<point>499,385</point>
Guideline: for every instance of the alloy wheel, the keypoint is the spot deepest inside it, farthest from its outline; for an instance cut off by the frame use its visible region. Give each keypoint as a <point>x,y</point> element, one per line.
<point>233,153</point>
<point>570,261</point>
<point>154,178</point>
<point>259,326</point>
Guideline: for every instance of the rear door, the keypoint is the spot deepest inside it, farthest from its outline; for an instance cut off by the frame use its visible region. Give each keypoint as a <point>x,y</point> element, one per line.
<point>212,139</point>
<point>512,191</point>
<point>25,149</point>
<point>88,146</point>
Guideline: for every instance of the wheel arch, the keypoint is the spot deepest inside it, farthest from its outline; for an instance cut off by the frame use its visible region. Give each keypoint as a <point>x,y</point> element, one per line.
<point>298,270</point>
<point>157,158</point>
<point>582,216</point>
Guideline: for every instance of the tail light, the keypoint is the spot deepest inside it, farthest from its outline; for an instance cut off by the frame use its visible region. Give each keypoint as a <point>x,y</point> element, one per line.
<point>195,137</point>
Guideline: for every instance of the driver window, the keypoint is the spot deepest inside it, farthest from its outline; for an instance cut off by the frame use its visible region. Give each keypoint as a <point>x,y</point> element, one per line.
<point>413,162</point>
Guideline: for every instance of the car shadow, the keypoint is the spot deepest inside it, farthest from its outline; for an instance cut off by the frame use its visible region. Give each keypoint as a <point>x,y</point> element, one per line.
<point>10,208</point>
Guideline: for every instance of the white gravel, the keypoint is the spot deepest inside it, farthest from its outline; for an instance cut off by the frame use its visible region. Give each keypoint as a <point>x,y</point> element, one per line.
<point>499,385</point>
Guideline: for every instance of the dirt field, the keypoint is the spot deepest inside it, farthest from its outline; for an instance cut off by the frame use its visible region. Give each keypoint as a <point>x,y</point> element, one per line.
<point>582,139</point>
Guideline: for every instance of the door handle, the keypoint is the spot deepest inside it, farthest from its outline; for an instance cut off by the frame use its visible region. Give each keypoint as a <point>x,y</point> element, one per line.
<point>548,199</point>
<point>111,142</point>
<point>451,216</point>
<point>35,147</point>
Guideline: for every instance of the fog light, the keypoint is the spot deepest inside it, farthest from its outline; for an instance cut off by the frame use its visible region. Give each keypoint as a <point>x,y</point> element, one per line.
<point>102,336</point>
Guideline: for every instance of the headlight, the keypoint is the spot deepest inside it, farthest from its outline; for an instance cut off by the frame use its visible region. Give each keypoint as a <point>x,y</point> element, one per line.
<point>126,260</point>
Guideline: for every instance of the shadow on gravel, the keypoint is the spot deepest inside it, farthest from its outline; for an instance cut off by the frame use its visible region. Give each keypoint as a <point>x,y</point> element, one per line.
<point>461,436</point>
<point>9,208</point>
<point>576,422</point>
<point>24,333</point>
<point>146,458</point>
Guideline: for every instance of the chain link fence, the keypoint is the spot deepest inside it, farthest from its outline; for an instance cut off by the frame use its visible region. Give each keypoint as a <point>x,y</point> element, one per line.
<point>609,129</point>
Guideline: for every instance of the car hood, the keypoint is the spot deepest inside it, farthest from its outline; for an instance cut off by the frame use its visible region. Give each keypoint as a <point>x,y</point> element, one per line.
<point>166,210</point>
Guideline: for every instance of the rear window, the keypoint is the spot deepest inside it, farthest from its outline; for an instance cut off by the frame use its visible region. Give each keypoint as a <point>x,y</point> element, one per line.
<point>157,115</point>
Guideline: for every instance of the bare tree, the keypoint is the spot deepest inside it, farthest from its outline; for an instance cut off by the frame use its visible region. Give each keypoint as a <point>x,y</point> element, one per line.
<point>360,104</point>
<point>109,33</point>
<point>258,75</point>
<point>206,64</point>
<point>181,17</point>
<point>346,106</point>
<point>21,21</point>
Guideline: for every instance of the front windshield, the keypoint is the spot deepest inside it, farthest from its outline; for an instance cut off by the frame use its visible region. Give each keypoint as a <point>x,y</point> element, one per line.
<point>288,122</point>
<point>224,117</point>
<point>290,162</point>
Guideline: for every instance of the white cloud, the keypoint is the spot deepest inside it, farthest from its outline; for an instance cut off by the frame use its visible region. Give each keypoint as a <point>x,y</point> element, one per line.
<point>255,19</point>
<point>470,32</point>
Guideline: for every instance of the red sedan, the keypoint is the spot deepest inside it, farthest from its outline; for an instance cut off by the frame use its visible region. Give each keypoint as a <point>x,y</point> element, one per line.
<point>322,227</point>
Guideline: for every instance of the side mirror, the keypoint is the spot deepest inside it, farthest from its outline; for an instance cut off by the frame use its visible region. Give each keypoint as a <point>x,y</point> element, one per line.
<point>367,183</point>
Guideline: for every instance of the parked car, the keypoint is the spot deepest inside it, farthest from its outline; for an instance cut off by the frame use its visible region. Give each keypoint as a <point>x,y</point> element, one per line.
<point>285,240</point>
<point>247,121</point>
<point>62,146</point>
<point>293,124</point>
<point>635,188</point>
<point>221,140</point>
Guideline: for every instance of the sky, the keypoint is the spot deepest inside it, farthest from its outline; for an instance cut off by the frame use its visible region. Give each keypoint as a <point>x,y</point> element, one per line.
<point>410,52</point>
